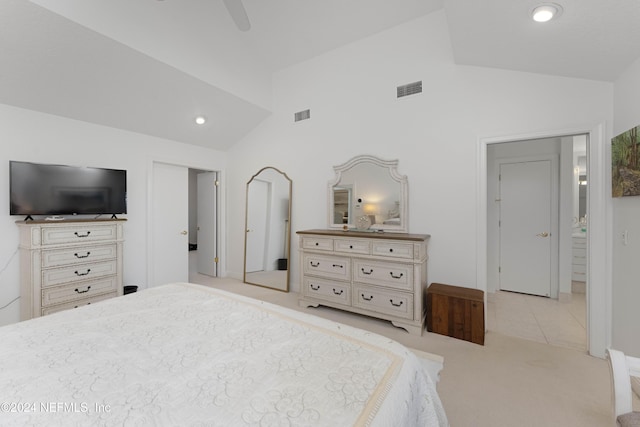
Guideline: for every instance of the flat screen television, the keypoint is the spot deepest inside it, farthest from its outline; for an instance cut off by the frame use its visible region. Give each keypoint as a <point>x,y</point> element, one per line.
<point>42,189</point>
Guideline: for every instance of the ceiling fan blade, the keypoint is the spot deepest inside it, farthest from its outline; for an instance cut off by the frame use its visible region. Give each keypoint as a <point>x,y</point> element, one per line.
<point>238,14</point>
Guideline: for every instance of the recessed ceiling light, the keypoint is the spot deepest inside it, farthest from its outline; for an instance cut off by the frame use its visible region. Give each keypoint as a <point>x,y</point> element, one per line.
<point>201,120</point>
<point>546,12</point>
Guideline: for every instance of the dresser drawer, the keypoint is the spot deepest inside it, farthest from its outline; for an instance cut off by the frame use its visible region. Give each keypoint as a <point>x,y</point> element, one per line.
<point>318,243</point>
<point>579,256</point>
<point>351,246</point>
<point>327,290</point>
<point>579,259</point>
<point>76,291</point>
<point>327,266</point>
<point>579,242</point>
<point>579,268</point>
<point>398,304</point>
<point>78,234</point>
<point>578,276</point>
<point>62,257</point>
<point>398,276</point>
<point>76,304</point>
<point>76,273</point>
<point>393,250</point>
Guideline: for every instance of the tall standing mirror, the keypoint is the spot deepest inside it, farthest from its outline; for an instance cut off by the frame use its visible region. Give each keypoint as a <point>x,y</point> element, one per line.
<point>268,229</point>
<point>368,193</point>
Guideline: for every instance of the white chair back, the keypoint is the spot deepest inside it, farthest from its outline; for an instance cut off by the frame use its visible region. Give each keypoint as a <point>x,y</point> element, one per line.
<point>622,369</point>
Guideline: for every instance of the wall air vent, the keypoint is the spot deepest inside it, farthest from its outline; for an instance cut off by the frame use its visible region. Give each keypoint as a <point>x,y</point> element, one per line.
<point>409,89</point>
<point>302,115</point>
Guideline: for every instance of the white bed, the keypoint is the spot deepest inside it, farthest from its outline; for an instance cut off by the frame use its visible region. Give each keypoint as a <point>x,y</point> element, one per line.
<point>188,355</point>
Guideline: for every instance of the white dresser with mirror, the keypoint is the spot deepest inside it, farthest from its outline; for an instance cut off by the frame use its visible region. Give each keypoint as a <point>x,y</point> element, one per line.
<point>366,262</point>
<point>383,275</point>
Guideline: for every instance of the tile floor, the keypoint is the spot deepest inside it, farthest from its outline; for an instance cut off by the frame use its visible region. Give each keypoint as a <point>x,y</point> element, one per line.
<point>539,319</point>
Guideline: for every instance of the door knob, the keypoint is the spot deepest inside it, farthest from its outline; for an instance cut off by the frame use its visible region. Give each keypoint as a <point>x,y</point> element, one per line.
<point>183,232</point>
<point>545,234</point>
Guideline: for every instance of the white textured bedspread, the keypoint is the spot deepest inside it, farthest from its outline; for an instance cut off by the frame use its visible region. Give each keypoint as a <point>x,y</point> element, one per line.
<point>188,355</point>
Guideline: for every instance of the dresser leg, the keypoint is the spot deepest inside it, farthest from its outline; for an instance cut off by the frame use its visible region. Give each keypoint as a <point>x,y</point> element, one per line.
<point>412,329</point>
<point>304,303</point>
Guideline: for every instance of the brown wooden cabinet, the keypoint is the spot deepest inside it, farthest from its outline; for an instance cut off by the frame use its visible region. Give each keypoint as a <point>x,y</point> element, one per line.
<point>456,312</point>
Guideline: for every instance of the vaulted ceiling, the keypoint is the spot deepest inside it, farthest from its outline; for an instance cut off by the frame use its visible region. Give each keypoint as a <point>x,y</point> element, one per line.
<point>151,66</point>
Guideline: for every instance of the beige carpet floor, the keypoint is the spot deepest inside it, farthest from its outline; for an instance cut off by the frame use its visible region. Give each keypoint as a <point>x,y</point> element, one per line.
<point>507,382</point>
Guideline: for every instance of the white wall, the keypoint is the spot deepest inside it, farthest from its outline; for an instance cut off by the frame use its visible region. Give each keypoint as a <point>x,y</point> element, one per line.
<point>351,92</point>
<point>626,216</point>
<point>36,137</point>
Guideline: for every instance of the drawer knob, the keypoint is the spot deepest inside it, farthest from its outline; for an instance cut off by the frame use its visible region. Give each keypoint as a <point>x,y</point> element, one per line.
<point>365,298</point>
<point>82,274</point>
<point>315,288</point>
<point>350,246</point>
<point>338,265</point>
<point>82,235</point>
<point>83,292</point>
<point>314,265</point>
<point>367,272</point>
<point>390,249</point>
<point>317,244</point>
<point>396,277</point>
<point>394,304</point>
<point>338,293</point>
<point>83,256</point>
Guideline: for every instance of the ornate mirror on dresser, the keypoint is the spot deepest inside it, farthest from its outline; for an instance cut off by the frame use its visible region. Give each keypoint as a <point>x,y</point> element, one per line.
<point>367,262</point>
<point>368,193</point>
<point>268,229</point>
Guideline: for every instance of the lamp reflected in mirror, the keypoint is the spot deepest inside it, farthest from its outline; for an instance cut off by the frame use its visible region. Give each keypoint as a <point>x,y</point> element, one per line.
<point>268,229</point>
<point>368,193</point>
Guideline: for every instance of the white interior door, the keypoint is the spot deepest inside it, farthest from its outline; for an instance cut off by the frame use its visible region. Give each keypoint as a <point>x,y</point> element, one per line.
<point>207,254</point>
<point>525,227</point>
<point>257,220</point>
<point>170,222</point>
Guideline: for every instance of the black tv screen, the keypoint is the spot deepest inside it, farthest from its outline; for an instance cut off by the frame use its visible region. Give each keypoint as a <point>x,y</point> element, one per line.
<point>40,189</point>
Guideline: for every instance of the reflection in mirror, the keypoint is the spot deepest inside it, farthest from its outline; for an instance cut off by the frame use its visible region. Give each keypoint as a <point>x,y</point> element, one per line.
<point>268,229</point>
<point>342,204</point>
<point>368,193</point>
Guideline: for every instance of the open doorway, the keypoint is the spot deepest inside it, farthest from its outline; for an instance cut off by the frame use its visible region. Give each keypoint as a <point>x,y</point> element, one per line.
<point>169,236</point>
<point>536,240</point>
<point>203,253</point>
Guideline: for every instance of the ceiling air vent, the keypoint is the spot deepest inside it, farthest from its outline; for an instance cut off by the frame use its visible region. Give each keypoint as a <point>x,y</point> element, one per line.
<point>409,89</point>
<point>302,115</point>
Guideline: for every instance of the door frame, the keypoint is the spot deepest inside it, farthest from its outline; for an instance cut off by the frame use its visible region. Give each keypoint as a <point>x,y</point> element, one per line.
<point>221,217</point>
<point>599,238</point>
<point>555,212</point>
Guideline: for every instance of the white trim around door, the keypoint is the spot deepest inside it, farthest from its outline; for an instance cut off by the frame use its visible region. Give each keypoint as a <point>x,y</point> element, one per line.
<point>221,217</point>
<point>599,243</point>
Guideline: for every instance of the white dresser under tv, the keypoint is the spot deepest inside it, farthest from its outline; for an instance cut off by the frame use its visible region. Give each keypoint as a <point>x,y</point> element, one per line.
<point>69,263</point>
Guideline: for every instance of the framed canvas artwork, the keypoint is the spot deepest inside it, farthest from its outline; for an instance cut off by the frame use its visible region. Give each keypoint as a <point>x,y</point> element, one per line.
<point>625,164</point>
